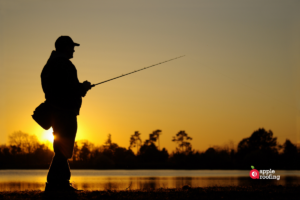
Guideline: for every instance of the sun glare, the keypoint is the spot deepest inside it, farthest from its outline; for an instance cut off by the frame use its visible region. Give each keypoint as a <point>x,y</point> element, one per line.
<point>48,135</point>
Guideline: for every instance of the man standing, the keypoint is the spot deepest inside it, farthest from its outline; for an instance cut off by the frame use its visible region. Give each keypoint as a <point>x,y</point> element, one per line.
<point>63,93</point>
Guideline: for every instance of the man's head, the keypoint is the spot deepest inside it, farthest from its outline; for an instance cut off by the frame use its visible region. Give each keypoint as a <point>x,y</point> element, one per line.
<point>65,45</point>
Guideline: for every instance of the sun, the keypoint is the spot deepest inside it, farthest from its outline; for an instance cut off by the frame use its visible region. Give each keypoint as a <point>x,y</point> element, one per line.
<point>48,135</point>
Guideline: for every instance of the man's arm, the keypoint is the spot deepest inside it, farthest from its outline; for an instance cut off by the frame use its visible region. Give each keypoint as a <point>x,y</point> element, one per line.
<point>85,86</point>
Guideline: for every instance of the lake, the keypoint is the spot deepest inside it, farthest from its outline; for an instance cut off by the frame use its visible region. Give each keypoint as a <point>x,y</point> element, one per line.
<point>20,180</point>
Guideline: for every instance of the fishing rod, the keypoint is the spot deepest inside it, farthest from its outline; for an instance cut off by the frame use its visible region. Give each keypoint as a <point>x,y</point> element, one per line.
<point>135,71</point>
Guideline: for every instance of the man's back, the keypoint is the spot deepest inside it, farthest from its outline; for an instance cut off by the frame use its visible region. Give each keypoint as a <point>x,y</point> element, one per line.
<point>60,83</point>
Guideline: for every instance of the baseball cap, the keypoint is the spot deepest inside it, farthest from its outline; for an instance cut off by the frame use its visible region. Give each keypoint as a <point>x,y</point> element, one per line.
<point>63,41</point>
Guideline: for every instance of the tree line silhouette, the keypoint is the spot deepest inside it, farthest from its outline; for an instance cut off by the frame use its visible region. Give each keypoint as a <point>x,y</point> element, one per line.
<point>261,149</point>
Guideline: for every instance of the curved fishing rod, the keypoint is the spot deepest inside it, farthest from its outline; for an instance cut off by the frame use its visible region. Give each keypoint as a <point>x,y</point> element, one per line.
<point>135,71</point>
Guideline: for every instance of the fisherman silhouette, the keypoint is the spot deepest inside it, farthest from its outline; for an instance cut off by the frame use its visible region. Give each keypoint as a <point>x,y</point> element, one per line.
<point>63,93</point>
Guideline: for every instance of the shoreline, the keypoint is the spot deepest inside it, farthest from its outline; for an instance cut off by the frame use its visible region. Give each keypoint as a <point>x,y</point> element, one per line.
<point>186,192</point>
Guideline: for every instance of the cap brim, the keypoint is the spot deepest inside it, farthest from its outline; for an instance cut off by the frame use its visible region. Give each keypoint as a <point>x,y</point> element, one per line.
<point>76,44</point>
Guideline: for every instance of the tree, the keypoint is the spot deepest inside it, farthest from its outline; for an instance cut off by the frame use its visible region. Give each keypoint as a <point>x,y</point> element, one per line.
<point>182,139</point>
<point>261,140</point>
<point>153,137</point>
<point>82,150</point>
<point>135,140</point>
<point>23,142</point>
<point>109,148</point>
<point>260,149</point>
<point>289,148</point>
<point>289,156</point>
<point>150,154</point>
<point>85,152</point>
<point>108,141</point>
<point>76,152</point>
<point>109,144</point>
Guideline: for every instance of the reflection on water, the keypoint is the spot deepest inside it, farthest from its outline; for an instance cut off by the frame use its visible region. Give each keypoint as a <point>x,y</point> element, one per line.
<point>21,186</point>
<point>20,180</point>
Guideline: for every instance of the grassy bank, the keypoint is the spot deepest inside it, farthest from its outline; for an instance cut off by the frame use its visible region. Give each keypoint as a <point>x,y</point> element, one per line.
<point>253,193</point>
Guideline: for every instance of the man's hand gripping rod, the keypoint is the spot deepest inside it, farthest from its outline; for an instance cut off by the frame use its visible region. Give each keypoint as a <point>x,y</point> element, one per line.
<point>135,71</point>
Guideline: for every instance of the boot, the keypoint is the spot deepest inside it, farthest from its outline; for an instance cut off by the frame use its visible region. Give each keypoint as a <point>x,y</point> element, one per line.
<point>60,187</point>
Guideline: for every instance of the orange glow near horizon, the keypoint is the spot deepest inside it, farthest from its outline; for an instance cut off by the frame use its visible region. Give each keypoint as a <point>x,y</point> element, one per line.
<point>240,73</point>
<point>47,138</point>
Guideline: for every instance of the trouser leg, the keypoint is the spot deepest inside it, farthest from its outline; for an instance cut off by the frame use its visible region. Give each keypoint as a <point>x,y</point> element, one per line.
<point>65,128</point>
<point>59,170</point>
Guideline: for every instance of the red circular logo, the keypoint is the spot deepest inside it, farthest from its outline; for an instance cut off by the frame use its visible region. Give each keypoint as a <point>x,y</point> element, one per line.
<point>254,174</point>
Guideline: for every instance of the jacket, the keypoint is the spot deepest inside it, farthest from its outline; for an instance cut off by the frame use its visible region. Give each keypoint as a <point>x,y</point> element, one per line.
<point>60,83</point>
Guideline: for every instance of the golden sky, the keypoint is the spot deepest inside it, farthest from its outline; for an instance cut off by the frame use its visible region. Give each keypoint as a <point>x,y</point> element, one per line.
<point>241,71</point>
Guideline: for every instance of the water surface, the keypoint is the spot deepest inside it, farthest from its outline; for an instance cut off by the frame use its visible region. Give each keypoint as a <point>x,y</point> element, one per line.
<point>20,180</point>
